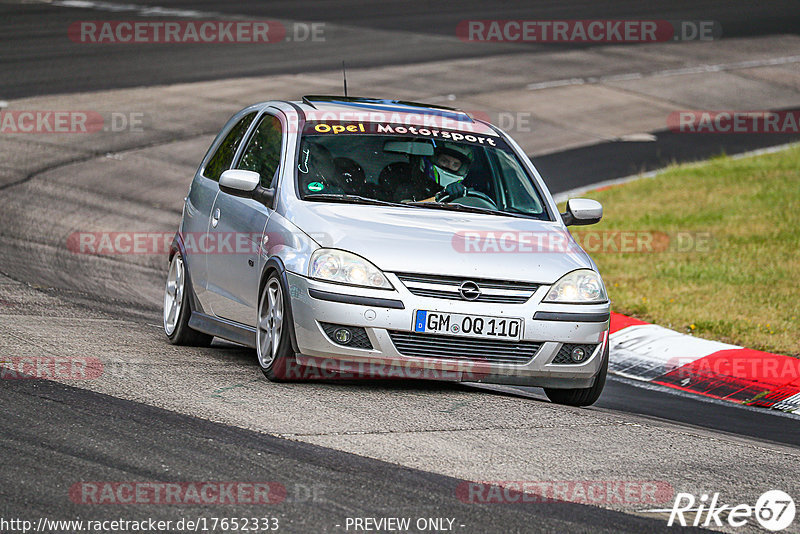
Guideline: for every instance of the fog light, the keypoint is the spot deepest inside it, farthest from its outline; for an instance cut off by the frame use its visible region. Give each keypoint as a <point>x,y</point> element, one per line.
<point>578,354</point>
<point>343,336</point>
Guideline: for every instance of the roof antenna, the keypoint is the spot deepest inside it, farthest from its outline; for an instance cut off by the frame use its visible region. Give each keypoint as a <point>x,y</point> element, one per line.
<point>344,77</point>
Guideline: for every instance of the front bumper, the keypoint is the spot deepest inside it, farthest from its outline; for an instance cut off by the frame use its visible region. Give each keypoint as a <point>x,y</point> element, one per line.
<point>318,350</point>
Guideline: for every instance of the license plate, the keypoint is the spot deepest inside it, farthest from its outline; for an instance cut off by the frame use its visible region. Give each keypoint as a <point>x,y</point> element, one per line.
<point>456,324</point>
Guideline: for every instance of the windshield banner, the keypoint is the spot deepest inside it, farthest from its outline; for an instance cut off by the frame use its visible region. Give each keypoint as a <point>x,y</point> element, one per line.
<point>380,128</point>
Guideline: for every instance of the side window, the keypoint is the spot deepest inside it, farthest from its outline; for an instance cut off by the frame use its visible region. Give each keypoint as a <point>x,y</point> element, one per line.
<point>222,158</point>
<point>263,153</point>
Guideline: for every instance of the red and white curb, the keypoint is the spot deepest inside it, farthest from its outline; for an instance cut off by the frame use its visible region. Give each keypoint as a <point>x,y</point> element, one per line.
<point>651,353</point>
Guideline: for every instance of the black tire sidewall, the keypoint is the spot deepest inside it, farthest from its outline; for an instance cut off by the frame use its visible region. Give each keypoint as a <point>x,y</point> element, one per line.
<point>582,396</point>
<point>183,334</point>
<point>284,363</point>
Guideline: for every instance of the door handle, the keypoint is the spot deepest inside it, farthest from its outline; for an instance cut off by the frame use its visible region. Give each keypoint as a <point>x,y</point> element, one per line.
<point>215,218</point>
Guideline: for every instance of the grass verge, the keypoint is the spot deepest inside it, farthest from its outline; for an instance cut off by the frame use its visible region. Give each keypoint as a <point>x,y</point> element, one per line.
<point>710,249</point>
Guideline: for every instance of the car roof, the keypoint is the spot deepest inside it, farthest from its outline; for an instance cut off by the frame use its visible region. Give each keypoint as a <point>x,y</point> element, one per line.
<point>340,108</point>
<point>382,104</point>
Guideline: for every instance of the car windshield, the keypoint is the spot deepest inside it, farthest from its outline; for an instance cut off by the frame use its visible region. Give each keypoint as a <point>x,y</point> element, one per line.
<point>383,163</point>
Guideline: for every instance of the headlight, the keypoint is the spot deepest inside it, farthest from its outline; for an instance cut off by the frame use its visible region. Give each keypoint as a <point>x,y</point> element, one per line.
<point>346,268</point>
<point>583,286</point>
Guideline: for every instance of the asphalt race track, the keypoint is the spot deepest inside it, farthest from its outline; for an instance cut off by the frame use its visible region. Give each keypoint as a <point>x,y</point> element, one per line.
<point>341,450</point>
<point>322,486</point>
<point>43,63</point>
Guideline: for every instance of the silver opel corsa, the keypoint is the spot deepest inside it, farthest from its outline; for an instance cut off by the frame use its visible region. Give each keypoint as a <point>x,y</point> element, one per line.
<point>352,237</point>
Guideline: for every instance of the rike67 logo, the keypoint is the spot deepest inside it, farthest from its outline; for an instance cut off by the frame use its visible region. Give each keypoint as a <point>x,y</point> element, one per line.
<point>774,511</point>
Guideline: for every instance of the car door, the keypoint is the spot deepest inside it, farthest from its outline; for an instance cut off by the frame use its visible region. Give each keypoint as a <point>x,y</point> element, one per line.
<point>203,192</point>
<point>237,227</point>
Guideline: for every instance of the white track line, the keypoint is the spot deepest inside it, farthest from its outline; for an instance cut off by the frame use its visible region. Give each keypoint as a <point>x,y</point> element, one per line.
<point>699,69</point>
<point>144,11</point>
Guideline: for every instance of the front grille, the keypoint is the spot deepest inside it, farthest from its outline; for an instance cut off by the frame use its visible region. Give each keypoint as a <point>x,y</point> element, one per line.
<point>564,354</point>
<point>462,348</point>
<point>359,339</point>
<point>455,295</point>
<point>446,287</point>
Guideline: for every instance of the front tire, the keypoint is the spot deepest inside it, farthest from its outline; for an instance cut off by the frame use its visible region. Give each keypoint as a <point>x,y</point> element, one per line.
<point>273,345</point>
<point>581,396</point>
<point>177,309</point>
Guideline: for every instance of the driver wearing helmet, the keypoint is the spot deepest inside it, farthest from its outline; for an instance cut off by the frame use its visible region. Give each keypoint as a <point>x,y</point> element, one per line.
<point>447,167</point>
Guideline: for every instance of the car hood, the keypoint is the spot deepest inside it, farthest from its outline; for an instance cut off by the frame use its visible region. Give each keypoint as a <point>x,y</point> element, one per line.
<point>432,241</point>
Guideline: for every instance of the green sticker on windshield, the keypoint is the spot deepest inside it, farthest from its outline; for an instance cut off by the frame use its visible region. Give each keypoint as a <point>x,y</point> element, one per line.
<point>315,187</point>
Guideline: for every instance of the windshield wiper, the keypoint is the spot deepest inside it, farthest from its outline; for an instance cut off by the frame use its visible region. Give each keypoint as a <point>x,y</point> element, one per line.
<point>461,207</point>
<point>356,199</point>
<point>349,199</point>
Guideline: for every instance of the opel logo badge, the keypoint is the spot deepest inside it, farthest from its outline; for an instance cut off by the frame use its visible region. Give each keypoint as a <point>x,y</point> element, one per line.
<point>469,290</point>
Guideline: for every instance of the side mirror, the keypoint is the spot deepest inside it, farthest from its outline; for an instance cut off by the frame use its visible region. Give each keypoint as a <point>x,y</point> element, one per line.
<point>245,184</point>
<point>239,182</point>
<point>582,211</point>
